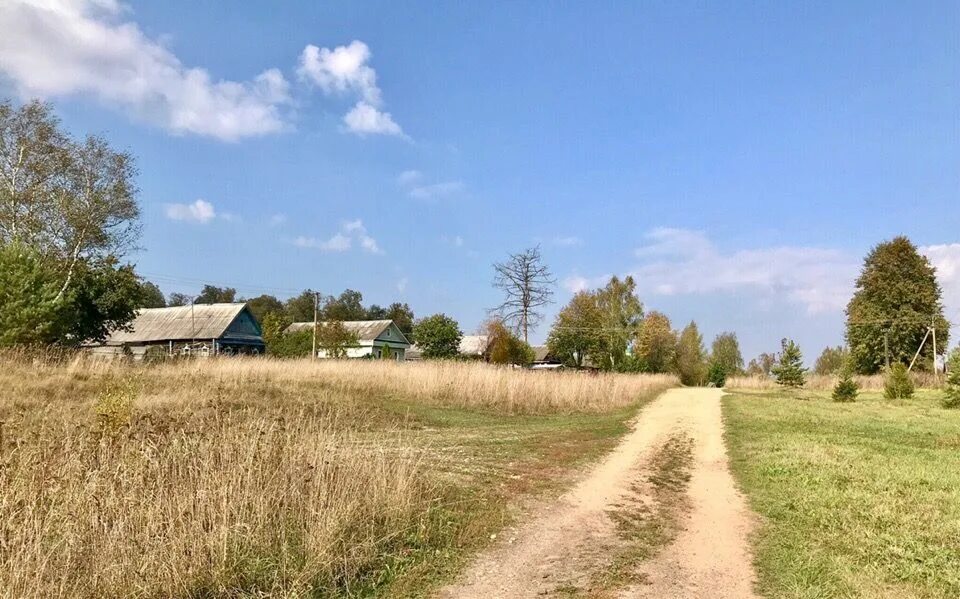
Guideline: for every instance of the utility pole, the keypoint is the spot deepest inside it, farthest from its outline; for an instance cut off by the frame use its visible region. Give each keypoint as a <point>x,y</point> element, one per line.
<point>933,329</point>
<point>886,349</point>
<point>316,310</point>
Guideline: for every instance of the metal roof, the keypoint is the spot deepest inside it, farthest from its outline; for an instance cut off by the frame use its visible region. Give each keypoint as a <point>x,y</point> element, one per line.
<point>365,330</point>
<point>200,321</point>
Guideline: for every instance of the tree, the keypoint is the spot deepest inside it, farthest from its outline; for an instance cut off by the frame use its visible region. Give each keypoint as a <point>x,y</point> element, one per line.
<point>528,286</point>
<point>504,347</point>
<point>300,307</point>
<point>898,384</point>
<point>621,316</point>
<point>761,365</point>
<point>211,294</point>
<point>575,334</point>
<point>28,291</point>
<point>725,354</point>
<point>335,339</point>
<point>831,361</point>
<point>656,345</point>
<point>102,297</point>
<point>376,312</point>
<point>717,375</point>
<point>76,200</point>
<point>846,388</point>
<point>178,299</point>
<point>690,360</point>
<point>897,299</point>
<point>347,306</point>
<point>152,296</point>
<point>262,305</point>
<point>438,336</point>
<point>789,370</point>
<point>951,393</point>
<point>282,344</point>
<point>402,316</point>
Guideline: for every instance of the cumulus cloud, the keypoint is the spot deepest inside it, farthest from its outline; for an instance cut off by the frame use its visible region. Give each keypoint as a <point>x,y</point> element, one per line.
<point>682,261</point>
<point>344,70</point>
<point>200,211</point>
<point>350,232</point>
<point>946,259</point>
<point>53,48</point>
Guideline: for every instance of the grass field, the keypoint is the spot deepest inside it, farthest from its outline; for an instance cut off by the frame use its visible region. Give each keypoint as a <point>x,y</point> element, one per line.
<point>255,477</point>
<point>855,500</point>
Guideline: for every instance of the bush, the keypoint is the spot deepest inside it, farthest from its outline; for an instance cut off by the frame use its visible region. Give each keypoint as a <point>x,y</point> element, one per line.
<point>717,375</point>
<point>846,388</point>
<point>951,394</point>
<point>898,384</point>
<point>438,336</point>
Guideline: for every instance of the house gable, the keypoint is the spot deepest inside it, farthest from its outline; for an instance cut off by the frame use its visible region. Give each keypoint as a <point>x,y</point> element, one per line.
<point>393,335</point>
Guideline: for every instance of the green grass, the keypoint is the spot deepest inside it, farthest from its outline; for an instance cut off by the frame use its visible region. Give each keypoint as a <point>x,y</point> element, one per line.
<point>855,500</point>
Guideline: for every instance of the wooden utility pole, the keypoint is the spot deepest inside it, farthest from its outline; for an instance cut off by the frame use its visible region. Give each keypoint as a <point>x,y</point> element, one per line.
<point>316,310</point>
<point>886,349</point>
<point>933,329</point>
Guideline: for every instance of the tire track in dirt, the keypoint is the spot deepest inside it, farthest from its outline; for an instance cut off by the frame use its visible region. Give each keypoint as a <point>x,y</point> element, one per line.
<point>565,547</point>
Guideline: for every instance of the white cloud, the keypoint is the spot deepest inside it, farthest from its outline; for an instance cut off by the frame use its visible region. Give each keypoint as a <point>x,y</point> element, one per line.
<point>278,219</point>
<point>200,211</point>
<point>455,240</point>
<point>946,259</point>
<point>681,261</point>
<point>402,284</point>
<point>570,241</point>
<point>350,232</point>
<point>575,284</point>
<point>436,190</point>
<point>345,70</point>
<point>409,177</point>
<point>364,119</point>
<point>55,48</point>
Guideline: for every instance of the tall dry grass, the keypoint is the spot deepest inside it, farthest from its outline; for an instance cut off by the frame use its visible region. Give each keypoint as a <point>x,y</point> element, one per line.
<point>238,477</point>
<point>818,382</point>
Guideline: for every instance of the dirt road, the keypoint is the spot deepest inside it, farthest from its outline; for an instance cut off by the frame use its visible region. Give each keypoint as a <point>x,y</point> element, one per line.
<point>667,482</point>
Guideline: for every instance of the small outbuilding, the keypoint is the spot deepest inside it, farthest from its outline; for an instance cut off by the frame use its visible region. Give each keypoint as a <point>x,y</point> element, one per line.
<point>199,329</point>
<point>375,338</point>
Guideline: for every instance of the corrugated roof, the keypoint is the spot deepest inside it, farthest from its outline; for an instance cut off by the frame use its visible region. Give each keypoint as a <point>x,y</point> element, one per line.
<point>365,330</point>
<point>201,321</point>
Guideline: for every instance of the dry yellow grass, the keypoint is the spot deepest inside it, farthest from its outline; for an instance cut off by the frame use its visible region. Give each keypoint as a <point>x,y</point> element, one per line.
<point>817,382</point>
<point>240,477</point>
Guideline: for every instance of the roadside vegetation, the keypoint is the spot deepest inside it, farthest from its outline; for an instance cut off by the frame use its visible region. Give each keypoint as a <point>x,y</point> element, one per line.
<point>855,499</point>
<point>248,477</point>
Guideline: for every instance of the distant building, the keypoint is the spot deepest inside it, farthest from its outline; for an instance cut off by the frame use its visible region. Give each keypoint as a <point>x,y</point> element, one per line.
<point>542,360</point>
<point>474,346</point>
<point>374,337</point>
<point>200,329</point>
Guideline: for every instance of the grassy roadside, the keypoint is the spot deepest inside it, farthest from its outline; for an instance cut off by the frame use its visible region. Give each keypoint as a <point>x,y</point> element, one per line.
<point>263,478</point>
<point>855,500</point>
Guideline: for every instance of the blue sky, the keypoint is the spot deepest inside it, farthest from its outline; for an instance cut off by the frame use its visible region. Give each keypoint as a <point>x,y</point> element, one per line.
<point>739,160</point>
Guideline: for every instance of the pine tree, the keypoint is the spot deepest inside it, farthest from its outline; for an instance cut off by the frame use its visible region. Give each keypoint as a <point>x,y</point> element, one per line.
<point>846,388</point>
<point>789,371</point>
<point>898,384</point>
<point>951,397</point>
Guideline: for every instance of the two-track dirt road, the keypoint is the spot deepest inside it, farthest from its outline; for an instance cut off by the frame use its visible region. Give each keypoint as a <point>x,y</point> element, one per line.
<point>570,545</point>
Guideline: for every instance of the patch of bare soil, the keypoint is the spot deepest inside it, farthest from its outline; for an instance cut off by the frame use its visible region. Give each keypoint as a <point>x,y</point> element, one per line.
<point>578,545</point>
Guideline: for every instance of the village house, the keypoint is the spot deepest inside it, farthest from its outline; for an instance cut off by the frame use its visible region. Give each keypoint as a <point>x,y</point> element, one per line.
<point>200,329</point>
<point>375,339</point>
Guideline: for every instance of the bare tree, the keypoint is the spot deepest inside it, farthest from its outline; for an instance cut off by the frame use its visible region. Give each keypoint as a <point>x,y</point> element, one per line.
<point>528,285</point>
